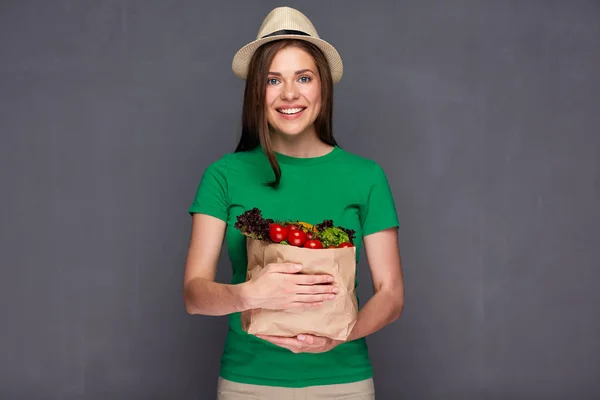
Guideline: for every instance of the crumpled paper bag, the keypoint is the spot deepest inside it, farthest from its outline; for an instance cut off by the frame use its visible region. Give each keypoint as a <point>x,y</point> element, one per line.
<point>334,318</point>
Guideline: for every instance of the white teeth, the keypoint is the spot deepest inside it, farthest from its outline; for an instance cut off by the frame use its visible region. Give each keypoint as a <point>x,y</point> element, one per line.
<point>290,110</point>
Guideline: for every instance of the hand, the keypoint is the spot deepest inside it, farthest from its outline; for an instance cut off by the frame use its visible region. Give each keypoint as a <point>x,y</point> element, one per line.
<point>280,286</point>
<point>303,343</point>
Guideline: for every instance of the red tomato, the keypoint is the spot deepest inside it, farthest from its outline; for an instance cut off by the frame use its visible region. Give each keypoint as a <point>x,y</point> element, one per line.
<point>292,227</point>
<point>310,235</point>
<point>313,244</point>
<point>278,233</point>
<point>345,244</point>
<point>296,237</point>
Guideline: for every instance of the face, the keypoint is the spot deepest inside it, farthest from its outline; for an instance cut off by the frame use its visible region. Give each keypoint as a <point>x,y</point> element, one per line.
<point>293,95</point>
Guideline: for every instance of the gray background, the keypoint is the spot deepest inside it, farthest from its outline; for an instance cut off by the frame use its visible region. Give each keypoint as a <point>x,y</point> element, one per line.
<point>484,114</point>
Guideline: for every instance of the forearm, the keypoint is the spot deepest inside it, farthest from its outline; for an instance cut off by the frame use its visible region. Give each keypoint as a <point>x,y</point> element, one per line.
<point>382,309</point>
<point>203,296</point>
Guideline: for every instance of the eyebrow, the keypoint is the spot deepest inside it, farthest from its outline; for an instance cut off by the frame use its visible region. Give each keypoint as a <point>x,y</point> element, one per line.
<point>297,72</point>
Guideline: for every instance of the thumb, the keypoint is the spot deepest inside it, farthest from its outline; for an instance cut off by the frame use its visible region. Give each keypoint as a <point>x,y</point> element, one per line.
<point>286,268</point>
<point>311,339</point>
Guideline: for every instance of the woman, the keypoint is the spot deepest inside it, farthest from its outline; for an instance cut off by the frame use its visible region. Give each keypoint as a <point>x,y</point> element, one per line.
<point>288,165</point>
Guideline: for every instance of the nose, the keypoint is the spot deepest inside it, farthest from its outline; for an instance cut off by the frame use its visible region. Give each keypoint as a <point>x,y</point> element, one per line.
<point>289,92</point>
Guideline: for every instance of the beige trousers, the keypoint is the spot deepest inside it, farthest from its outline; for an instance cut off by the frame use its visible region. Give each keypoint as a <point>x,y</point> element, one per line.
<point>362,390</point>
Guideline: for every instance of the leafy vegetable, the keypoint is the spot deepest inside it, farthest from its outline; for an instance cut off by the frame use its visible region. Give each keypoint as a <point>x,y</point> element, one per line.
<point>325,224</point>
<point>301,234</point>
<point>252,224</point>
<point>328,224</point>
<point>333,236</point>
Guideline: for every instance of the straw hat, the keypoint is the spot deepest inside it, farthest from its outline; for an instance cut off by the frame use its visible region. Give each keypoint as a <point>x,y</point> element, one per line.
<point>287,23</point>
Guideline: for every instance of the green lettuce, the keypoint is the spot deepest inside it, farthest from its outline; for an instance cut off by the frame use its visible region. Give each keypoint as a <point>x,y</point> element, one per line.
<point>333,236</point>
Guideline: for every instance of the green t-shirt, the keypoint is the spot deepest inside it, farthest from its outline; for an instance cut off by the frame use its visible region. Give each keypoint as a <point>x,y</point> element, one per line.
<point>348,189</point>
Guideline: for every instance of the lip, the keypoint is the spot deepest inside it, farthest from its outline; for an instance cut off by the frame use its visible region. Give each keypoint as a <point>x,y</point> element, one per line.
<point>290,117</point>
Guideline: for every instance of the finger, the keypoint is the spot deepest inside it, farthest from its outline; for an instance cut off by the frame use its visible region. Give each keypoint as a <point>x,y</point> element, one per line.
<point>278,339</point>
<point>308,339</point>
<point>314,298</point>
<point>312,279</point>
<point>316,289</point>
<point>266,337</point>
<point>286,268</point>
<point>290,342</point>
<point>312,340</point>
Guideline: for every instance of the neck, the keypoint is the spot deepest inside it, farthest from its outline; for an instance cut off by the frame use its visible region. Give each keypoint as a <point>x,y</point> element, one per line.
<point>304,145</point>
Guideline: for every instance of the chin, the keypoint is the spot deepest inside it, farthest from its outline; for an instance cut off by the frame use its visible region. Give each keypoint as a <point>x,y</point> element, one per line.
<point>290,129</point>
<point>289,132</point>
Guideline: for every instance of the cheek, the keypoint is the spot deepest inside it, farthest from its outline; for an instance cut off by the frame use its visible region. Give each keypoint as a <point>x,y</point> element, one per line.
<point>317,103</point>
<point>270,96</point>
<point>315,97</point>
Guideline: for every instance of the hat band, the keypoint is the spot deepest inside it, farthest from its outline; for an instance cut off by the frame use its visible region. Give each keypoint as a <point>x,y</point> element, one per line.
<point>285,32</point>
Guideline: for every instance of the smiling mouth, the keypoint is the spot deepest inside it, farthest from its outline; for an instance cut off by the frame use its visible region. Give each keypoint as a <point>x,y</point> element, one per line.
<point>290,111</point>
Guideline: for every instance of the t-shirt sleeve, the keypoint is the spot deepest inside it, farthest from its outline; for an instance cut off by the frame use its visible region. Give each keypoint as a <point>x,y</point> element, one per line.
<point>212,192</point>
<point>379,209</point>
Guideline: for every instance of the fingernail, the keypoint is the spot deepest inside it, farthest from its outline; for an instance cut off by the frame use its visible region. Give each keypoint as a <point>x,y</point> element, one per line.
<point>301,337</point>
<point>331,296</point>
<point>336,290</point>
<point>330,278</point>
<point>297,266</point>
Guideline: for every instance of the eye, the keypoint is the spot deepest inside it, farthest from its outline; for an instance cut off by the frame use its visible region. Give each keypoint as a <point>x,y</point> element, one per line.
<point>305,79</point>
<point>272,81</point>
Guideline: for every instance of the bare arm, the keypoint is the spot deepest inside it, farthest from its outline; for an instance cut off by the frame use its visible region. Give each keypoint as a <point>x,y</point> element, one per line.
<point>201,294</point>
<point>278,286</point>
<point>387,303</point>
<point>382,309</point>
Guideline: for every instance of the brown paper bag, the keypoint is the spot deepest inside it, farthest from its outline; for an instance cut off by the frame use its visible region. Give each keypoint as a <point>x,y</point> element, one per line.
<point>334,318</point>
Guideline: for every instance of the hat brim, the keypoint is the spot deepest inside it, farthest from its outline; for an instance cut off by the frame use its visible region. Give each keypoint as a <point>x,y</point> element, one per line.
<point>243,56</point>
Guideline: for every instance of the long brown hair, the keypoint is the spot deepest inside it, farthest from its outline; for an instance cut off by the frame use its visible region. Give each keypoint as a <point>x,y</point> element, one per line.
<point>255,126</point>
